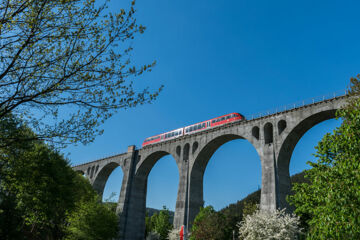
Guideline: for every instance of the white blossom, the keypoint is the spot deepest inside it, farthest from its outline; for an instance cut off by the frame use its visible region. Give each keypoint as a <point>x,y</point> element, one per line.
<point>274,225</point>
<point>174,234</point>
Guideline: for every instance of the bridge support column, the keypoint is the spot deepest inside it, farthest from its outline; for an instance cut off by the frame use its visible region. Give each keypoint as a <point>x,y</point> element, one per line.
<point>131,202</point>
<point>182,197</point>
<point>268,201</point>
<point>196,194</point>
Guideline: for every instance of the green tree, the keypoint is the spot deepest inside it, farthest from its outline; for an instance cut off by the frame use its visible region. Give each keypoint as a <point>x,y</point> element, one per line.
<point>209,224</point>
<point>65,66</point>
<point>160,223</point>
<point>330,204</point>
<point>38,188</point>
<point>91,221</point>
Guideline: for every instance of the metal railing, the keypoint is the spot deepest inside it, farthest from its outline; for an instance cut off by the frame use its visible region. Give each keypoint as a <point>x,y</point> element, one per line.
<point>298,104</point>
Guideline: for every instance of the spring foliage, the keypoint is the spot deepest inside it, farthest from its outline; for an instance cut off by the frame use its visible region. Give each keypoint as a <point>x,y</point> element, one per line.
<point>65,66</point>
<point>330,204</point>
<point>41,197</point>
<point>276,225</point>
<point>210,225</point>
<point>158,225</point>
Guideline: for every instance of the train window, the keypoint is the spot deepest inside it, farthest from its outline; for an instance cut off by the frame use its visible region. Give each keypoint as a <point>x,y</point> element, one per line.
<point>203,125</point>
<point>172,134</point>
<point>228,117</point>
<point>213,121</point>
<point>223,118</point>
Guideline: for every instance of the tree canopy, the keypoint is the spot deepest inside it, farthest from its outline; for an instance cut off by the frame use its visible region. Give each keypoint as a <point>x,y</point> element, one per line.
<point>329,204</point>
<point>65,66</point>
<point>40,194</point>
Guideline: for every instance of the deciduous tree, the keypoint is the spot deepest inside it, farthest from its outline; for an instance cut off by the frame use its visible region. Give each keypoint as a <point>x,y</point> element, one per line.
<point>210,225</point>
<point>65,66</point>
<point>39,191</point>
<point>330,203</point>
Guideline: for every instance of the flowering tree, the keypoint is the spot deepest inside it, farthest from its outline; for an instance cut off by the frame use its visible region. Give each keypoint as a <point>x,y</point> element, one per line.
<point>276,225</point>
<point>174,234</point>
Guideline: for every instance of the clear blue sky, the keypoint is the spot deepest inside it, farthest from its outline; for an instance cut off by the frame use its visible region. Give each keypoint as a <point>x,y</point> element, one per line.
<point>216,57</point>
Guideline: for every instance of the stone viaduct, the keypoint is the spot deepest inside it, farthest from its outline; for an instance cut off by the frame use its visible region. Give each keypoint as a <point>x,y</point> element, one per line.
<point>273,136</point>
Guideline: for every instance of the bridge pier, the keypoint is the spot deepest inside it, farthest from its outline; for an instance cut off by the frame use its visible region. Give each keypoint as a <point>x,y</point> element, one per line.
<point>268,199</point>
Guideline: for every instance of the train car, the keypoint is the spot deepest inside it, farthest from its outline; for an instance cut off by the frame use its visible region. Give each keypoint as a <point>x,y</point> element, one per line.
<point>164,137</point>
<point>197,127</point>
<point>232,117</point>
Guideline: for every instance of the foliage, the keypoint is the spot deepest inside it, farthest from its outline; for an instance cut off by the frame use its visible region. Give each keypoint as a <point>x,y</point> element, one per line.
<point>269,225</point>
<point>38,188</point>
<point>174,234</point>
<point>249,208</point>
<point>330,204</point>
<point>91,221</point>
<point>65,66</point>
<point>209,224</point>
<point>160,223</point>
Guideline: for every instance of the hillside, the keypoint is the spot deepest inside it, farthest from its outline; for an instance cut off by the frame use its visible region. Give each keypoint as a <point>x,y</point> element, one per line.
<point>234,212</point>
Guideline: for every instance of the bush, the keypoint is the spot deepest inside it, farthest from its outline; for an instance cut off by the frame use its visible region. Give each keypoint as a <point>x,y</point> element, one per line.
<point>174,234</point>
<point>270,225</point>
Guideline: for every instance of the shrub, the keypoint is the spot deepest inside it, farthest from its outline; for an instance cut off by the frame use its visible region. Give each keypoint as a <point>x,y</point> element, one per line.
<point>174,234</point>
<point>270,225</point>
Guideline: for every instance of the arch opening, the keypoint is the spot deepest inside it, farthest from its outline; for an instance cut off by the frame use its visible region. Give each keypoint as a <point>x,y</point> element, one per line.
<point>268,133</point>
<point>229,156</point>
<point>186,152</point>
<point>256,132</point>
<point>92,171</point>
<point>162,183</point>
<point>113,185</point>
<point>195,147</point>
<point>287,149</point>
<point>151,184</point>
<point>178,151</point>
<point>102,183</point>
<point>281,126</point>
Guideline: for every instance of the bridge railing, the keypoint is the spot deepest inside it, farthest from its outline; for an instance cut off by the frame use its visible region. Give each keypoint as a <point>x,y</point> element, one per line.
<point>299,104</point>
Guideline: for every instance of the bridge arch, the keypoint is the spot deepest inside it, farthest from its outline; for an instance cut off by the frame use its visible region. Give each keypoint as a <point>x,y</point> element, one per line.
<point>287,147</point>
<point>137,206</point>
<point>103,175</point>
<point>198,167</point>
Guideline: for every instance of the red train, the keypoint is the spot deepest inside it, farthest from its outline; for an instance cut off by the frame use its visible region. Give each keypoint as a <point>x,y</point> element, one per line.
<point>201,126</point>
